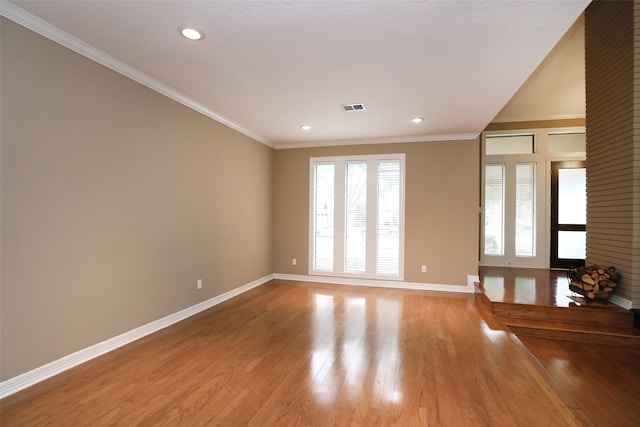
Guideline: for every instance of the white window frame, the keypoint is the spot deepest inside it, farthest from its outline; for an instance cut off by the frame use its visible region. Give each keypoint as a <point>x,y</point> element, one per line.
<point>339,214</point>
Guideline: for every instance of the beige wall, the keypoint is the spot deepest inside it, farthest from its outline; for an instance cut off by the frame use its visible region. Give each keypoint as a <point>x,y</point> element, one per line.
<point>555,90</point>
<point>441,219</point>
<point>115,200</point>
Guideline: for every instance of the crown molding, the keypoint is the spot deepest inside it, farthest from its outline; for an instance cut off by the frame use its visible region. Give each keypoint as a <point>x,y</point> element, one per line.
<point>539,118</point>
<point>385,140</point>
<point>37,25</point>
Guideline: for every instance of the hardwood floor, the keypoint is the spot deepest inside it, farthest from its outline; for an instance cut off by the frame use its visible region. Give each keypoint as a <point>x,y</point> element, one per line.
<point>599,382</point>
<point>533,286</point>
<point>290,353</point>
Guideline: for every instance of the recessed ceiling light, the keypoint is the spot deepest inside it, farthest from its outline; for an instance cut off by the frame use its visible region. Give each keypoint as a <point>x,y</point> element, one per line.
<point>305,127</point>
<point>417,120</point>
<point>191,33</point>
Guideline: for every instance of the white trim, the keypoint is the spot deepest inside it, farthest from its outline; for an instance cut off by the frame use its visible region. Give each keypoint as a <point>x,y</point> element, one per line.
<point>468,288</point>
<point>55,34</point>
<point>22,381</point>
<point>621,302</point>
<point>385,140</point>
<point>540,118</point>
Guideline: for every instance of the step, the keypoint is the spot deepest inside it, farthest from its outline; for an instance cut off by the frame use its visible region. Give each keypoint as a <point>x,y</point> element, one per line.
<point>609,315</point>
<point>628,337</point>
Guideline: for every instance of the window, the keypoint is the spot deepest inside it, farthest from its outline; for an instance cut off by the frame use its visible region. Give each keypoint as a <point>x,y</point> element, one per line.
<point>323,218</point>
<point>389,209</point>
<point>494,210</point>
<point>567,142</point>
<point>357,216</point>
<point>355,242</point>
<point>526,209</point>
<point>509,144</point>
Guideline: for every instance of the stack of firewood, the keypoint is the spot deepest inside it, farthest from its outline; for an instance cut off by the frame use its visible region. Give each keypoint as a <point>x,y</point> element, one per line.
<point>593,282</point>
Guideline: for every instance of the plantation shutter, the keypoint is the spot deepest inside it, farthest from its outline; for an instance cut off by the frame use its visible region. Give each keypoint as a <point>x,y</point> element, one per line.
<point>388,218</point>
<point>525,209</point>
<point>355,242</point>
<point>323,224</point>
<point>494,210</point>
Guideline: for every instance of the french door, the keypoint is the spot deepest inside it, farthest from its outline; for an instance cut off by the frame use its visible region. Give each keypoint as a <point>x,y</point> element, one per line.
<point>568,214</point>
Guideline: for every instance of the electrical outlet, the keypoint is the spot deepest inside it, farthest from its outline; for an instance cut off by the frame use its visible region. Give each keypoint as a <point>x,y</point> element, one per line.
<point>294,261</point>
<point>424,268</point>
<point>199,284</point>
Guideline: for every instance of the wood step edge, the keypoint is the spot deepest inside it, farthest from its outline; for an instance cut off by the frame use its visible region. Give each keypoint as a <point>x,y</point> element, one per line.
<point>572,326</point>
<point>618,324</point>
<point>560,314</point>
<point>578,336</point>
<point>611,310</point>
<point>618,332</point>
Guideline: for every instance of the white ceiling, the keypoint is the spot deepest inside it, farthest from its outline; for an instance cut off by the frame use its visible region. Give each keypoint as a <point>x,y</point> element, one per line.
<point>267,67</point>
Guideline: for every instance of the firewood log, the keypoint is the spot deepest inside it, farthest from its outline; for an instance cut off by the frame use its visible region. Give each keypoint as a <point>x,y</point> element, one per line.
<point>587,279</point>
<point>613,274</point>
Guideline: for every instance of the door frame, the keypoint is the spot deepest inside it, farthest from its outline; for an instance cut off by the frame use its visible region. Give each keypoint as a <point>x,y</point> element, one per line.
<point>554,227</point>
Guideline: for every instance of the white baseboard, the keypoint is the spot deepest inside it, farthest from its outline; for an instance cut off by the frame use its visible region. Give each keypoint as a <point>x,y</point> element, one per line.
<point>621,302</point>
<point>468,288</point>
<point>22,381</point>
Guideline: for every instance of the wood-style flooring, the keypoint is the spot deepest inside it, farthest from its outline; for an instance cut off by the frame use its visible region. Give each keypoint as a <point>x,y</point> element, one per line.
<point>589,353</point>
<point>291,353</point>
<point>532,286</point>
<point>600,383</point>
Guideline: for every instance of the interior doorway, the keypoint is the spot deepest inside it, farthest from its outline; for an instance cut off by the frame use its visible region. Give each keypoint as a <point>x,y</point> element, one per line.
<point>568,214</point>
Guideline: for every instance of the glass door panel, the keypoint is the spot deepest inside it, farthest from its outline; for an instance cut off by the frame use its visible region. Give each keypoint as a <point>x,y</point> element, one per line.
<point>568,214</point>
<point>572,196</point>
<point>572,244</point>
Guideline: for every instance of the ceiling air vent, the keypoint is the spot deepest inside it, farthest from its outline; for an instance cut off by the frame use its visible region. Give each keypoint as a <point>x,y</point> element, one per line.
<point>354,107</point>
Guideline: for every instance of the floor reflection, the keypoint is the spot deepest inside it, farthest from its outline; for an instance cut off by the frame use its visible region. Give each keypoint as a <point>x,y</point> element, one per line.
<point>387,353</point>
<point>525,290</point>
<point>347,351</point>
<point>491,335</point>
<point>493,287</point>
<point>323,356</point>
<point>354,344</point>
